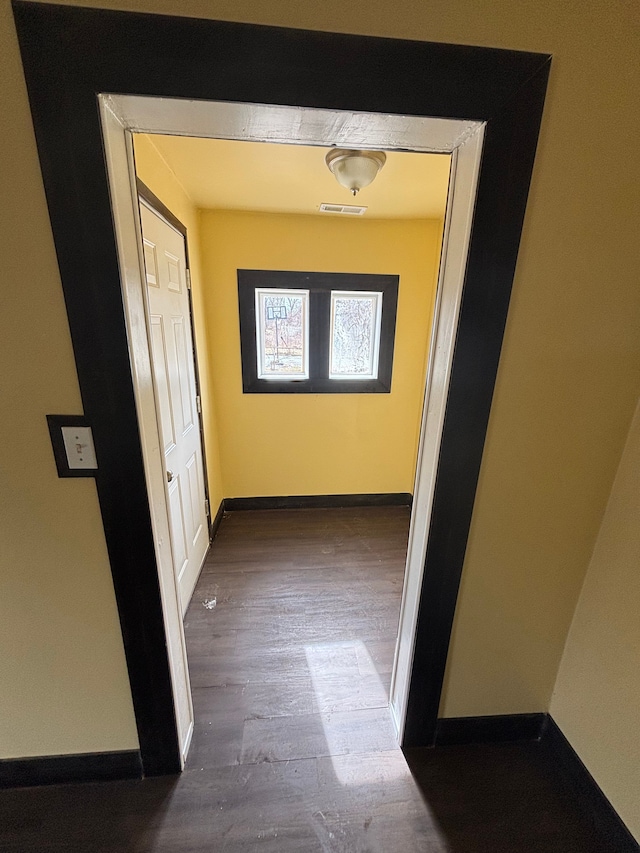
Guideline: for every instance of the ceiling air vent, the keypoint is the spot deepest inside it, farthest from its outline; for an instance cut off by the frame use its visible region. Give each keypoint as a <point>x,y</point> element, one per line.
<point>345,209</point>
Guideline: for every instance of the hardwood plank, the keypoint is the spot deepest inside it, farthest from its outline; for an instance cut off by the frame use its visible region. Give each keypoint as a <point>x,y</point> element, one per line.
<point>268,664</point>
<point>346,693</point>
<point>253,701</point>
<point>287,738</point>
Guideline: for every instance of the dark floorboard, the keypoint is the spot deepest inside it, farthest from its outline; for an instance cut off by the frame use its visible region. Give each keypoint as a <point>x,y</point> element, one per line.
<point>293,748</point>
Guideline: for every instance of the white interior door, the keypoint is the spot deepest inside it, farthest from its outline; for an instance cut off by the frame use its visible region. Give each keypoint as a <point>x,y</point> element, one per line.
<point>174,379</point>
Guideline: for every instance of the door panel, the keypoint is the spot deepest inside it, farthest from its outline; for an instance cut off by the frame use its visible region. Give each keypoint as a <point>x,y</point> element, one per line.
<point>163,401</point>
<point>150,263</point>
<point>184,379</point>
<point>175,393</point>
<point>173,273</point>
<point>194,491</point>
<point>178,541</point>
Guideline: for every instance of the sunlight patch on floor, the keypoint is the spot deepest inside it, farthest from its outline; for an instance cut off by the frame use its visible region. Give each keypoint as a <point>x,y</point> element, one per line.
<point>329,663</point>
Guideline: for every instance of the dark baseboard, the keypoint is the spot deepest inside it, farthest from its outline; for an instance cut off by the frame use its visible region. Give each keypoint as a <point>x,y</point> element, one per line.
<point>489,729</point>
<point>63,769</point>
<point>215,523</point>
<point>318,501</point>
<point>591,797</point>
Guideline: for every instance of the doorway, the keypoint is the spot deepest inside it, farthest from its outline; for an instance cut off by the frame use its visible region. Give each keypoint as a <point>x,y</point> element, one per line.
<point>84,52</point>
<point>345,446</point>
<point>462,140</point>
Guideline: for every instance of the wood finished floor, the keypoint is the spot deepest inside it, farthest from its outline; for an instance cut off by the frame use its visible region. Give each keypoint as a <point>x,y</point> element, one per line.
<point>293,748</point>
<point>294,662</point>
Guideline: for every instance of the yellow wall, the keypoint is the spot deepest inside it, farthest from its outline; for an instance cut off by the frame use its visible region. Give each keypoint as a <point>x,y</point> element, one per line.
<point>566,391</point>
<point>153,171</point>
<point>596,701</point>
<point>63,679</point>
<point>306,444</point>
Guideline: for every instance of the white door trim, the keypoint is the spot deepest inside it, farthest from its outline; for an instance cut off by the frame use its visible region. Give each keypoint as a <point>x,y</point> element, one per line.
<point>123,114</point>
<point>124,202</point>
<point>463,181</point>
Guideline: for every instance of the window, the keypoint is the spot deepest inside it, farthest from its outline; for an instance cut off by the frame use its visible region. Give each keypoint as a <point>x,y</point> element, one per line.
<point>354,343</point>
<point>316,333</point>
<point>282,333</point>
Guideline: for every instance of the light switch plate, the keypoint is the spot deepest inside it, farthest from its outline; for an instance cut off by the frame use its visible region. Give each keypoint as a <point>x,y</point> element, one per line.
<point>73,447</point>
<point>78,443</point>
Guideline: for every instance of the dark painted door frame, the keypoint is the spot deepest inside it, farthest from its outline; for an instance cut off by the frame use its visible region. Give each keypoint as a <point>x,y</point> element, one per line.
<point>72,54</point>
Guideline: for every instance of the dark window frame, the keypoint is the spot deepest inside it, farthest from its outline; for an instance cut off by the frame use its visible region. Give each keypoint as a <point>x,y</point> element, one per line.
<point>319,285</point>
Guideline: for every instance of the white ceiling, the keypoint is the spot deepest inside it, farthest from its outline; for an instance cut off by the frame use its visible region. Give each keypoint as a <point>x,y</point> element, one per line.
<point>232,175</point>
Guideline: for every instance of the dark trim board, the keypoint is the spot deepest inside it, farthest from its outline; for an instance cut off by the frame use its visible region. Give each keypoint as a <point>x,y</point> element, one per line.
<point>62,769</point>
<point>489,729</point>
<point>70,54</point>
<point>160,207</point>
<point>318,501</point>
<point>217,521</point>
<point>591,796</point>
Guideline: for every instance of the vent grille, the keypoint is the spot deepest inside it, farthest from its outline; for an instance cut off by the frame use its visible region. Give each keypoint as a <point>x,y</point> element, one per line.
<point>344,209</point>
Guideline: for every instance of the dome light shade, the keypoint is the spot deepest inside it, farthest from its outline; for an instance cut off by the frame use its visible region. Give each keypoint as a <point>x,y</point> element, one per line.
<point>355,169</point>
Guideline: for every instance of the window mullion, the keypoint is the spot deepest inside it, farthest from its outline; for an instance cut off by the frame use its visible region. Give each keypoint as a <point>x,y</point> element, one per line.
<point>319,322</point>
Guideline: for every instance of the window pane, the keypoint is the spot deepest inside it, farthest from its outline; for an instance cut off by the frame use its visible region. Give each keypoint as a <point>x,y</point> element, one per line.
<point>282,337</point>
<point>355,334</point>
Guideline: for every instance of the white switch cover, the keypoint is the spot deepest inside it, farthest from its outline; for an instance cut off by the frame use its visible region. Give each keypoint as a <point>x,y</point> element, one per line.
<point>78,444</point>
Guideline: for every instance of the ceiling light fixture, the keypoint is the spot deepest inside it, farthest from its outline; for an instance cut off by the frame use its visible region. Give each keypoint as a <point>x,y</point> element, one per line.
<point>355,169</point>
